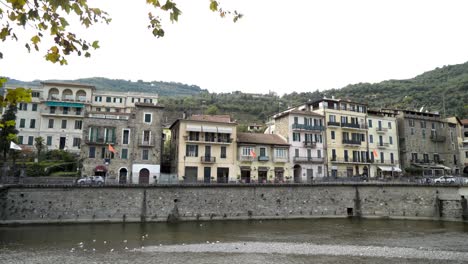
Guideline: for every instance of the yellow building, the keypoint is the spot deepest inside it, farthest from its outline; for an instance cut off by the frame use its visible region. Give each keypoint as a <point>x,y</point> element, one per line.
<point>203,149</point>
<point>346,136</point>
<point>262,158</point>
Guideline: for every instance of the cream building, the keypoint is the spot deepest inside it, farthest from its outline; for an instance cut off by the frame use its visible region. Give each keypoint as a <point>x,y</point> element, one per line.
<point>383,144</point>
<point>203,149</point>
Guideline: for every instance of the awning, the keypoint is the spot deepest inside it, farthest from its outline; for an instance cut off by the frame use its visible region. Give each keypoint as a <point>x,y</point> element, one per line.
<point>225,130</point>
<point>396,169</point>
<point>194,128</point>
<point>100,168</point>
<point>262,168</point>
<point>245,168</point>
<point>386,168</point>
<point>210,129</point>
<point>440,167</point>
<point>64,104</point>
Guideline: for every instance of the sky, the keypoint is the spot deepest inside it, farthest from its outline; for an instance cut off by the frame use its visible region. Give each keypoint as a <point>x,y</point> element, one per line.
<point>280,46</point>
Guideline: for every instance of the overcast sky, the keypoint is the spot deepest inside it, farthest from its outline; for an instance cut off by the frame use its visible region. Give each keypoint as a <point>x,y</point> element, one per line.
<point>283,46</point>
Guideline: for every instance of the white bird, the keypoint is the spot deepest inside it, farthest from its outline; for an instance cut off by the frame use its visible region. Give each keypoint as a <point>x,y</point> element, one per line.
<point>94,249</point>
<point>81,246</point>
<point>142,247</point>
<point>112,250</point>
<point>94,240</point>
<point>207,242</point>
<point>126,248</point>
<point>125,241</point>
<point>81,243</point>
<point>85,250</point>
<point>105,242</point>
<point>160,245</point>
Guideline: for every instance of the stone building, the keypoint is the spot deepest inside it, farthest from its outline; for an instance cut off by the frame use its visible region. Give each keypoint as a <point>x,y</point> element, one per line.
<point>428,143</point>
<point>203,149</point>
<point>262,158</point>
<point>124,146</point>
<point>304,131</point>
<point>464,145</point>
<point>383,144</point>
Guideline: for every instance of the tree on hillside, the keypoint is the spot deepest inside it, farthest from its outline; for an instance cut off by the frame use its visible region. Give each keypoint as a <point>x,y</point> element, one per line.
<point>212,110</point>
<point>51,17</point>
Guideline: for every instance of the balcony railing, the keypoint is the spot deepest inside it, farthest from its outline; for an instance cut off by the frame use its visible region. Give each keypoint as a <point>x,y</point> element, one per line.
<point>437,138</point>
<point>306,127</point>
<point>246,158</point>
<point>101,141</point>
<point>354,126</point>
<point>353,142</point>
<point>383,145</point>
<point>263,158</point>
<point>210,140</point>
<point>142,142</point>
<point>349,160</point>
<point>208,159</point>
<point>421,161</point>
<point>381,129</point>
<point>385,162</point>
<point>280,159</point>
<point>61,113</point>
<point>310,144</point>
<point>308,159</point>
<point>331,123</point>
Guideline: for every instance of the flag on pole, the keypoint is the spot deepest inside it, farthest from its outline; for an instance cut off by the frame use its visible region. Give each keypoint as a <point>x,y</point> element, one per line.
<point>111,149</point>
<point>253,154</point>
<point>375,154</point>
<point>14,146</point>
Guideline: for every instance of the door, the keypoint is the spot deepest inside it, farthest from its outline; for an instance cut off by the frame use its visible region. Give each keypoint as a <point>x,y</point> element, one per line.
<point>191,174</point>
<point>207,175</point>
<point>62,142</point>
<point>310,175</point>
<point>123,176</point>
<point>143,177</point>
<point>222,175</point>
<point>297,173</point>
<point>245,176</point>
<point>207,153</point>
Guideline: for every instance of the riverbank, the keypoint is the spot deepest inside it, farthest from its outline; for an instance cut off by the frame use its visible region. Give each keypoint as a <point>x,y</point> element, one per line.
<point>43,204</point>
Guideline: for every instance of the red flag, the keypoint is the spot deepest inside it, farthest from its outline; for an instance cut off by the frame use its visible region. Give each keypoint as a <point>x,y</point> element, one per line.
<point>111,149</point>
<point>253,154</point>
<point>375,154</point>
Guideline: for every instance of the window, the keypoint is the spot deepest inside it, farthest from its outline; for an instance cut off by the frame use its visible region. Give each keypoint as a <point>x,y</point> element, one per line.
<point>263,152</point>
<point>223,152</point>
<point>98,109</point>
<point>381,157</point>
<point>433,125</point>
<point>51,123</point>
<point>64,124</point>
<point>98,99</point>
<point>20,139</point>
<point>319,170</point>
<point>412,131</point>
<point>22,123</point>
<point>35,94</point>
<point>423,133</point>
<point>332,118</point>
<point>92,152</point>
<point>108,109</point>
<point>23,106</point>
<point>423,124</point>
<point>247,151</point>
<point>371,138</point>
<point>32,123</point>
<point>281,153</point>
<point>411,122</point>
<point>34,107</point>
<point>125,136</point>
<point>390,140</point>
<point>333,155</point>
<point>77,142</point>
<point>144,154</point>
<point>148,118</point>
<point>146,136</point>
<point>78,124</point>
<point>392,159</point>
<point>108,99</point>
<point>319,153</point>
<point>52,109</point>
<point>389,125</point>
<point>192,151</point>
<point>466,154</point>
<point>370,123</point>
<point>124,154</point>
<point>297,137</point>
<point>78,111</point>
<point>30,140</point>
<point>65,110</point>
<point>296,153</point>
<point>296,120</point>
<point>332,134</point>
<point>414,157</point>
<point>49,141</point>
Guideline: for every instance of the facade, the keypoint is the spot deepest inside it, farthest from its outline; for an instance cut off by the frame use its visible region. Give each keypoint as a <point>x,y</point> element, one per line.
<point>427,142</point>
<point>346,134</point>
<point>125,146</point>
<point>203,149</point>
<point>383,144</point>
<point>262,158</point>
<point>304,131</point>
<point>464,146</point>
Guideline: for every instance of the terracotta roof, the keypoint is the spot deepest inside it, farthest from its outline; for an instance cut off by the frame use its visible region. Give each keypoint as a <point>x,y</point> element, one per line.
<point>464,121</point>
<point>212,118</point>
<point>256,138</point>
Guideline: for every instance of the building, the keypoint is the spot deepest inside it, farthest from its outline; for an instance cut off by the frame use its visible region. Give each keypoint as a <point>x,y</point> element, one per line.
<point>262,158</point>
<point>383,144</point>
<point>464,146</point>
<point>304,131</point>
<point>254,127</point>
<point>124,146</point>
<point>346,133</point>
<point>203,149</point>
<point>427,143</point>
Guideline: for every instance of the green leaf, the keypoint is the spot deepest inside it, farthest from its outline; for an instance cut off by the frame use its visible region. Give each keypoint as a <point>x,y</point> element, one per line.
<point>213,5</point>
<point>35,39</point>
<point>95,44</point>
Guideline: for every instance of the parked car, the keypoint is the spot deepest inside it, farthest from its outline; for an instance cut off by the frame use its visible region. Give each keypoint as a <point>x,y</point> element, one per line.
<point>445,179</point>
<point>99,180</point>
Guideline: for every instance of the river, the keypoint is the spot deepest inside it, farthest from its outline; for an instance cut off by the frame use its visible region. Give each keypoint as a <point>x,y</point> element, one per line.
<point>272,241</point>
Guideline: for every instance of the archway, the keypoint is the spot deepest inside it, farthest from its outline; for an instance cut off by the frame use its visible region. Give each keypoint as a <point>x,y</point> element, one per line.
<point>123,176</point>
<point>143,177</point>
<point>53,94</point>
<point>297,173</point>
<point>67,95</point>
<point>81,96</point>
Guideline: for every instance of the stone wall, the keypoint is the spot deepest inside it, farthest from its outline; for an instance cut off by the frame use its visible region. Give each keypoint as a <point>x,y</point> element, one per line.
<point>162,203</point>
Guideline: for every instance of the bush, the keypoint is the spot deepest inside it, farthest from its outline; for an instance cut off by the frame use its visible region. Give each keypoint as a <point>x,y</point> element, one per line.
<point>35,170</point>
<point>60,155</point>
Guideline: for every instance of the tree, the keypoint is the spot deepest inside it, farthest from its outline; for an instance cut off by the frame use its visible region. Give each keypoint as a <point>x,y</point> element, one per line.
<point>40,146</point>
<point>212,110</point>
<point>51,17</point>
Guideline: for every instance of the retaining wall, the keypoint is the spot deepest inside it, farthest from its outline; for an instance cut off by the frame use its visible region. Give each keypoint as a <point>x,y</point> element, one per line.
<point>65,204</point>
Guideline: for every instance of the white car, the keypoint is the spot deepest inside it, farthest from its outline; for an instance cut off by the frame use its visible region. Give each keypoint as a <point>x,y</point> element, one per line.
<point>445,179</point>
<point>91,180</point>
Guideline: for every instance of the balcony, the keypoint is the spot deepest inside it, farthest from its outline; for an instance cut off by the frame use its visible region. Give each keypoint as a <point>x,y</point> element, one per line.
<point>246,158</point>
<point>352,142</point>
<point>221,141</point>
<point>310,144</point>
<point>382,145</point>
<point>306,127</point>
<point>108,115</point>
<point>280,159</point>
<point>331,123</point>
<point>419,161</point>
<point>437,138</point>
<point>381,130</point>
<point>263,158</point>
<point>353,126</point>
<point>58,112</point>
<point>208,159</point>
<point>385,162</point>
<point>349,160</point>
<point>308,160</point>
<point>146,142</point>
<point>101,141</point>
